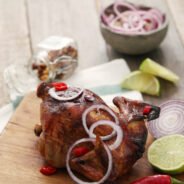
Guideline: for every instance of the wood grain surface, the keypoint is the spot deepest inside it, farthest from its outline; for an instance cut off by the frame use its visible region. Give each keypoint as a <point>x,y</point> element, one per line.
<point>177,11</point>
<point>14,38</point>
<point>72,18</point>
<point>26,22</point>
<point>23,24</point>
<point>21,161</point>
<point>170,54</point>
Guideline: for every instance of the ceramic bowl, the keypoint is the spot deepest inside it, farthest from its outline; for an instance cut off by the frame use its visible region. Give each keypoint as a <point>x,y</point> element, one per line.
<point>135,44</point>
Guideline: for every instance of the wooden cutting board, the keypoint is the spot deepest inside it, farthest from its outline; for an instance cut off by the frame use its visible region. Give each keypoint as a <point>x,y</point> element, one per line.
<point>20,161</point>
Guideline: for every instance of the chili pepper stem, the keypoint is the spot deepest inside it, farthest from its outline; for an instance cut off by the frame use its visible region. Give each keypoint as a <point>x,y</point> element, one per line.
<point>175,181</point>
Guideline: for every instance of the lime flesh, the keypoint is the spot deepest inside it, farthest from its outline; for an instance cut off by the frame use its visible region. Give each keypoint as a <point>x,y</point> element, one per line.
<point>142,82</point>
<point>167,154</point>
<point>150,66</point>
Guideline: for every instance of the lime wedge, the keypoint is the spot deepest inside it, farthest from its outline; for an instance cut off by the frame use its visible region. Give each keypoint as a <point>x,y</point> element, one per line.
<point>167,154</point>
<point>150,66</point>
<point>142,82</point>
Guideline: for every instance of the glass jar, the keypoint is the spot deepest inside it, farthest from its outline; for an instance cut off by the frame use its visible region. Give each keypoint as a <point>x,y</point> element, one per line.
<point>55,59</point>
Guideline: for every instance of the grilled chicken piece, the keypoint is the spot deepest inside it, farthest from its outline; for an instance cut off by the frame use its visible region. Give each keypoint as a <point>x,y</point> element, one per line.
<point>61,123</point>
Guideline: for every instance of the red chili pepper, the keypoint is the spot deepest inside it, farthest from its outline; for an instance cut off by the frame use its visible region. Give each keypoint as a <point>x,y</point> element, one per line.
<point>157,179</point>
<point>80,151</point>
<point>60,86</point>
<point>147,110</point>
<point>48,170</point>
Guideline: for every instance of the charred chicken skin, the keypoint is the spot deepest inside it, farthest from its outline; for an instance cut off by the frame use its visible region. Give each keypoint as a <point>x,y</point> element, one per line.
<point>61,123</point>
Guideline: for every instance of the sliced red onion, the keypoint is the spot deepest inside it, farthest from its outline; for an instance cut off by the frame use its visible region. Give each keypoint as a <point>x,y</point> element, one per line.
<point>154,23</point>
<point>112,24</point>
<point>124,4</point>
<point>134,20</point>
<point>85,113</point>
<point>156,19</point>
<point>76,179</point>
<point>107,19</point>
<point>117,128</point>
<point>170,121</point>
<point>55,94</point>
<point>136,27</point>
<point>147,15</point>
<point>157,13</point>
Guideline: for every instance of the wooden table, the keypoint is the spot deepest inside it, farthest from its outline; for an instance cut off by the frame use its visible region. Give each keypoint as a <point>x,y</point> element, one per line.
<point>26,22</point>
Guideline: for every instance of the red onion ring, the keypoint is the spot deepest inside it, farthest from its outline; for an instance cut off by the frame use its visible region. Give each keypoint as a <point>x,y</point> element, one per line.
<point>124,4</point>
<point>150,16</point>
<point>85,113</point>
<point>170,121</point>
<point>107,19</point>
<point>55,94</point>
<point>134,27</point>
<point>77,180</point>
<point>157,13</point>
<point>141,16</point>
<point>133,18</point>
<point>117,128</point>
<point>128,25</point>
<point>152,21</point>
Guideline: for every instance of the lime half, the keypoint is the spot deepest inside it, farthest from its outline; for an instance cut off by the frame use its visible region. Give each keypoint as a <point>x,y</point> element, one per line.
<point>149,66</point>
<point>167,154</point>
<point>142,82</point>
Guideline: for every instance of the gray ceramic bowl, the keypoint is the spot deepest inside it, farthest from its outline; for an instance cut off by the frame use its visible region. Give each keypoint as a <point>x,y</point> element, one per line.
<point>137,43</point>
